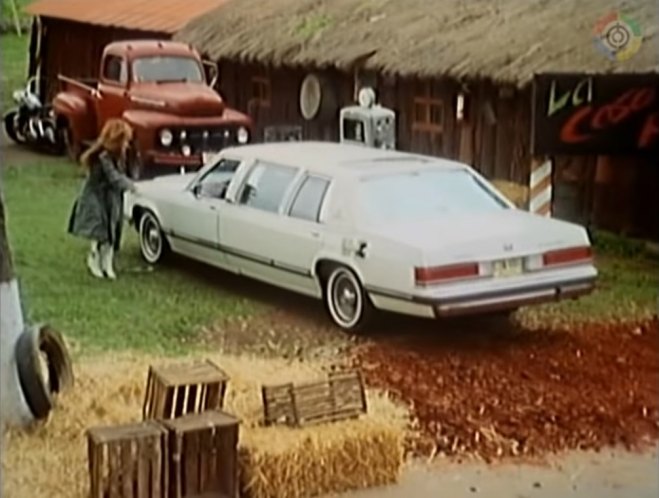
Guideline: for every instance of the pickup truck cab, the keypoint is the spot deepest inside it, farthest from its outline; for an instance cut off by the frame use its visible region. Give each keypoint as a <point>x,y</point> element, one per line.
<point>161,89</point>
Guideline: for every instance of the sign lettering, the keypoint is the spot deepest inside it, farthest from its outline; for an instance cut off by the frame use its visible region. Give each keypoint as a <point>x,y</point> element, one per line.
<point>608,114</point>
<point>577,97</point>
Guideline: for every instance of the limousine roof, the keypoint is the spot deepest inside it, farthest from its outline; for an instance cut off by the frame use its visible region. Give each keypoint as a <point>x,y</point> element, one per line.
<point>333,157</point>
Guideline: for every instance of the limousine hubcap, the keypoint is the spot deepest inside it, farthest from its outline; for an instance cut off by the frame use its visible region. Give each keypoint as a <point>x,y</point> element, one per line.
<point>151,239</point>
<point>346,298</point>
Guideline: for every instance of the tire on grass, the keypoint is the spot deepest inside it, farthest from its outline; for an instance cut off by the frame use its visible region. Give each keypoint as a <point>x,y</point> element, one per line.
<point>40,391</point>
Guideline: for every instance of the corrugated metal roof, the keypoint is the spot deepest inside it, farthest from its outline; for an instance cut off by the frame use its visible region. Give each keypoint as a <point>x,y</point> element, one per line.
<point>166,16</point>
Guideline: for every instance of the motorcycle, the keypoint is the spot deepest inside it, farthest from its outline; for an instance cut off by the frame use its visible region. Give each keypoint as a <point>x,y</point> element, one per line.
<point>31,122</point>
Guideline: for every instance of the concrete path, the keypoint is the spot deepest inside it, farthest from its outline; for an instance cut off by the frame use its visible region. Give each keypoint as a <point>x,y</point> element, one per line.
<point>611,474</point>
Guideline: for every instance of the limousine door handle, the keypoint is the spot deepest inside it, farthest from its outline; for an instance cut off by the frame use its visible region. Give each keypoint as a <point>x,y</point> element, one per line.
<point>213,208</point>
<point>315,234</point>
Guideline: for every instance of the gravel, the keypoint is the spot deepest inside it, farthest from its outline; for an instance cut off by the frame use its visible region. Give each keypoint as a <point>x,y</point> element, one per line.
<point>523,393</point>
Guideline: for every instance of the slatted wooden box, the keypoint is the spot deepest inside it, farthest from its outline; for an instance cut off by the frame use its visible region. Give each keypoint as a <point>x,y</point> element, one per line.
<point>128,461</point>
<point>176,390</point>
<point>203,451</point>
<point>341,396</point>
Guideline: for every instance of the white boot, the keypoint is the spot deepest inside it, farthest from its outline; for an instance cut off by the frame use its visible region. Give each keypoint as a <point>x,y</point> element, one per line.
<point>107,261</point>
<point>94,260</point>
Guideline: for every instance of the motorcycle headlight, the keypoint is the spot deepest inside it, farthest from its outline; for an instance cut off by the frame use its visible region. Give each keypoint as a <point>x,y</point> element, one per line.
<point>243,135</point>
<point>166,137</point>
<point>17,95</point>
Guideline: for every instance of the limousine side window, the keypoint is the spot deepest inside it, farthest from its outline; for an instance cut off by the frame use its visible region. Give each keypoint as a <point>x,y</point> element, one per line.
<point>309,199</point>
<point>266,185</point>
<point>215,183</point>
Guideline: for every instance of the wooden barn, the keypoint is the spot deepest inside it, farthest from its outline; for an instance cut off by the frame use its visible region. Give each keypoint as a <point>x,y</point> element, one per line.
<point>460,76</point>
<point>68,36</point>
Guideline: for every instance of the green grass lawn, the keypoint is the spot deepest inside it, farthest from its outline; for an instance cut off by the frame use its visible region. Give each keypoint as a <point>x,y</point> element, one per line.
<point>7,14</point>
<point>156,310</point>
<point>13,53</point>
<point>626,290</point>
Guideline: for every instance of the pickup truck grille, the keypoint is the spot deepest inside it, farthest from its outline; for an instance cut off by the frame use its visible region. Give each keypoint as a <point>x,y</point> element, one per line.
<point>203,139</point>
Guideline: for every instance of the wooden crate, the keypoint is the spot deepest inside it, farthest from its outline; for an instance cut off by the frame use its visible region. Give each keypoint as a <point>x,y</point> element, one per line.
<point>128,461</point>
<point>203,451</point>
<point>176,390</point>
<point>340,396</point>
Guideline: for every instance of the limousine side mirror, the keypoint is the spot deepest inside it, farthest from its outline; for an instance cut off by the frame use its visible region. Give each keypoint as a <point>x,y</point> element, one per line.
<point>196,190</point>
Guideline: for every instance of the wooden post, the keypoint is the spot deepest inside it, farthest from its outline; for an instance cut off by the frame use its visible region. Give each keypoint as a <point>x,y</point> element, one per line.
<point>6,266</point>
<point>13,408</point>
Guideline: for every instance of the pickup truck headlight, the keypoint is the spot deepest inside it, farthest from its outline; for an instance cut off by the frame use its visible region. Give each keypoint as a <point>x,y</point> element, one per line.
<point>166,137</point>
<point>243,135</point>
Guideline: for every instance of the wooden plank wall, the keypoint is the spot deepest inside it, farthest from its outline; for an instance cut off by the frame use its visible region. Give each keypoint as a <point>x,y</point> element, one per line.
<point>235,85</point>
<point>499,148</point>
<point>74,49</point>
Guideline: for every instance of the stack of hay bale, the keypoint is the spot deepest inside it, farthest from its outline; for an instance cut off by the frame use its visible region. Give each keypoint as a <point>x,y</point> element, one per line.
<point>516,193</point>
<point>314,442</point>
<point>314,438</point>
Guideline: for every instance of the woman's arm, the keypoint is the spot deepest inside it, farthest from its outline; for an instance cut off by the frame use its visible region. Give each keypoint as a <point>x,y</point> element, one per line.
<point>117,179</point>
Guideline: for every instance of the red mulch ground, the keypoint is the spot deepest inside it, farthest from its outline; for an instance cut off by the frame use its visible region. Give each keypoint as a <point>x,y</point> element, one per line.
<point>525,393</point>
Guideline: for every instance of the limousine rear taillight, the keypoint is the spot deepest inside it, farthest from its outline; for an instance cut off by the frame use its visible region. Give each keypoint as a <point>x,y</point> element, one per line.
<point>446,273</point>
<point>569,256</point>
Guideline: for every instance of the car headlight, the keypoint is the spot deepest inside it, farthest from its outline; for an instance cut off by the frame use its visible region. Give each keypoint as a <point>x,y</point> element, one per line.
<point>166,137</point>
<point>243,135</point>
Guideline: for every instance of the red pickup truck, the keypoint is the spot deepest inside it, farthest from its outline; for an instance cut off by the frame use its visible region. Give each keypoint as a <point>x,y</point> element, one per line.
<point>161,89</point>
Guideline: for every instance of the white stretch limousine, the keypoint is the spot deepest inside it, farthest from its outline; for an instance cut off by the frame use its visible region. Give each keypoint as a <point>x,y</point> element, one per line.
<point>363,228</point>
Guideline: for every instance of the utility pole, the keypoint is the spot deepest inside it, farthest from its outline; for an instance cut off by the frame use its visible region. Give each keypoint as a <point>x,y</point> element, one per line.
<point>13,407</point>
<point>17,21</point>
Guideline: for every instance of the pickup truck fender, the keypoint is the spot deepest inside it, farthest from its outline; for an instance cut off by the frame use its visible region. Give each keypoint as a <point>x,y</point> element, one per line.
<point>75,113</point>
<point>144,124</point>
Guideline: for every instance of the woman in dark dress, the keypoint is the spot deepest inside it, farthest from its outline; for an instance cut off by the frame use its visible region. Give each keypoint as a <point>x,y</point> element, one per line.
<point>98,210</point>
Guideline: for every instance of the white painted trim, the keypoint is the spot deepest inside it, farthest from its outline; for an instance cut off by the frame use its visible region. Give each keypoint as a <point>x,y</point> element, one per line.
<point>540,173</point>
<point>541,199</point>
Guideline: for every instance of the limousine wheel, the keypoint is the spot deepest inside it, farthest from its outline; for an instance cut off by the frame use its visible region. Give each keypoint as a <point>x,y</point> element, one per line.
<point>346,300</point>
<point>153,244</point>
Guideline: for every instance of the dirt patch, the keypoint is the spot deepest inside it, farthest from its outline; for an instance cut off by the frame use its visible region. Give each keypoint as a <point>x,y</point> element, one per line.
<point>277,333</point>
<point>521,393</point>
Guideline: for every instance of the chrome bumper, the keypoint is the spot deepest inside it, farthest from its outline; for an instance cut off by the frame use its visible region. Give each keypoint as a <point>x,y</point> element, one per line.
<point>509,300</point>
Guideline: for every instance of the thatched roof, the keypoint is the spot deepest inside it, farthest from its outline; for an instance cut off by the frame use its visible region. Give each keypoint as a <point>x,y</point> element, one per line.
<point>501,40</point>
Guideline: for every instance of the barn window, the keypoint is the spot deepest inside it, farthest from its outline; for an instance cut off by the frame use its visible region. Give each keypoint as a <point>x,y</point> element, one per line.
<point>428,114</point>
<point>260,95</point>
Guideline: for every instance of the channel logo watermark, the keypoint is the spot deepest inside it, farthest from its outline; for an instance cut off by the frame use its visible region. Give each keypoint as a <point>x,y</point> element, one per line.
<point>617,36</point>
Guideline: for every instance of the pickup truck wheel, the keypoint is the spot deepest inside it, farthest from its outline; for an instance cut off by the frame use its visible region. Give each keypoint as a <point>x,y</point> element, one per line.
<point>73,149</point>
<point>153,244</point>
<point>345,299</point>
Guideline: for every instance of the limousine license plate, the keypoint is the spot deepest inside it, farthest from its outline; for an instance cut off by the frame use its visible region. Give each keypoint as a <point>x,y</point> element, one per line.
<point>508,267</point>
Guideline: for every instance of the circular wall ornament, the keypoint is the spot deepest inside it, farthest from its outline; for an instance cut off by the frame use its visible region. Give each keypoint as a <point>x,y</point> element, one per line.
<point>311,96</point>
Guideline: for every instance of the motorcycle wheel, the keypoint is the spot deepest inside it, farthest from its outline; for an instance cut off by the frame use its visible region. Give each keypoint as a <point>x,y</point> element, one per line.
<point>12,128</point>
<point>56,146</point>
